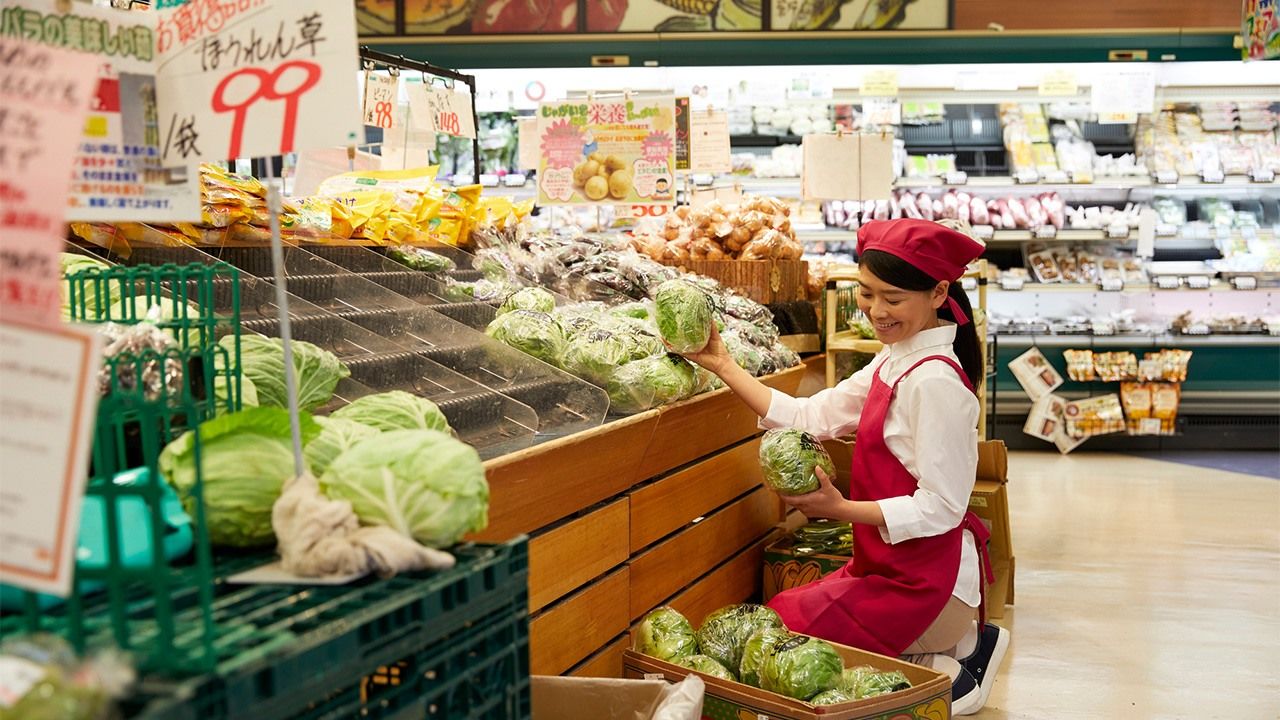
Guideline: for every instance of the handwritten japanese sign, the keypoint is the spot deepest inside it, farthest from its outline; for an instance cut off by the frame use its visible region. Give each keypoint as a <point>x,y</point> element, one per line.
<point>1260,30</point>
<point>44,97</point>
<point>255,78</point>
<point>380,95</point>
<point>1123,92</point>
<point>448,111</point>
<point>709,142</point>
<point>116,173</point>
<point>607,151</point>
<point>682,133</point>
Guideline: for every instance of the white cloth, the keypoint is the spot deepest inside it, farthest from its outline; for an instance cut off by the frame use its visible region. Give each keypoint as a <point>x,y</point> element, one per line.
<point>931,428</point>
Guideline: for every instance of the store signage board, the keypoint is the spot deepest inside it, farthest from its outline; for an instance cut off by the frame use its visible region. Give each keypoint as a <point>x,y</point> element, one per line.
<point>381,92</point>
<point>117,175</point>
<point>48,401</point>
<point>1260,30</point>
<point>607,151</point>
<point>1124,92</point>
<point>269,77</point>
<point>682,133</point>
<point>45,98</point>
<point>1059,83</point>
<point>875,165</point>
<point>709,142</point>
<point>527,143</point>
<point>879,83</point>
<point>448,111</point>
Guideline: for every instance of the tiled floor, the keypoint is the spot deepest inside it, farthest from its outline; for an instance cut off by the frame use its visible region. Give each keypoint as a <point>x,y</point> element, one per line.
<point>1145,589</point>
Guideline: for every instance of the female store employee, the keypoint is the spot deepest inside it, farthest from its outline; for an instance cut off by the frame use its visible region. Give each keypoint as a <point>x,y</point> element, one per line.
<point>914,584</point>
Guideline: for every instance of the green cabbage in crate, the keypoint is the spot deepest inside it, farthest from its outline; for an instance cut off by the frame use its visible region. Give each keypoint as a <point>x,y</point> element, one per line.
<point>756,649</point>
<point>595,355</point>
<point>246,458</point>
<point>422,483</point>
<point>724,633</point>
<point>649,382</point>
<point>531,332</point>
<point>801,668</point>
<point>317,370</point>
<point>336,437</point>
<point>394,410</point>
<point>684,315</point>
<point>706,666</point>
<point>788,458</point>
<point>666,635</point>
<point>865,681</point>
<point>530,298</point>
<point>835,696</point>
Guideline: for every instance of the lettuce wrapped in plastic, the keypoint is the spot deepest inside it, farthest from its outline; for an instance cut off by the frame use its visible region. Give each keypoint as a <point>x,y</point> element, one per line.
<point>318,371</point>
<point>421,259</point>
<point>336,437</point>
<point>746,355</point>
<point>530,298</point>
<point>684,315</point>
<point>788,458</point>
<point>756,649</point>
<point>865,681</point>
<point>394,410</point>
<point>421,483</point>
<point>245,458</point>
<point>835,696</point>
<point>801,668</point>
<point>595,355</point>
<point>707,666</point>
<point>649,382</point>
<point>637,310</point>
<point>531,332</point>
<point>666,634</point>
<point>724,633</point>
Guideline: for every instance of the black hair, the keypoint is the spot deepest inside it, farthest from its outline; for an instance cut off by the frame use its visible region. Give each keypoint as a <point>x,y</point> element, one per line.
<point>902,274</point>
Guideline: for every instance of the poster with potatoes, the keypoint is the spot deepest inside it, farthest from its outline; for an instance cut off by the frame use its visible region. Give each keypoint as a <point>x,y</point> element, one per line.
<point>607,151</point>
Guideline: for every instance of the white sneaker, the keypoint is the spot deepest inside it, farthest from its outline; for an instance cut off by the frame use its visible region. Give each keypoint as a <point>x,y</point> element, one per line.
<point>966,695</point>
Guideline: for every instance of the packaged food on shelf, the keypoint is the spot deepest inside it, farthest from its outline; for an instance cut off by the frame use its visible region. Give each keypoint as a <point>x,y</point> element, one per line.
<point>1101,415</point>
<point>1080,366</point>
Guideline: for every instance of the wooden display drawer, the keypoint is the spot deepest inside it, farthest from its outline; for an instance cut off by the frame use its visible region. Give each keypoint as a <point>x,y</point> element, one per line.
<point>565,633</point>
<point>573,553</point>
<point>666,505</point>
<point>605,662</point>
<point>669,566</point>
<point>736,580</point>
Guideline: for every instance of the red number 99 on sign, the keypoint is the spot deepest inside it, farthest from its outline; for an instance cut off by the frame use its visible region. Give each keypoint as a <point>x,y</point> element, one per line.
<point>267,89</point>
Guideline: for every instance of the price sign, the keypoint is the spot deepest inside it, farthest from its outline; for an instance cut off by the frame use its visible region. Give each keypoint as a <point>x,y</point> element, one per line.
<point>984,232</point>
<point>1118,231</point>
<point>1057,83</point>
<point>880,83</point>
<point>1111,284</point>
<point>1011,283</point>
<point>1123,93</point>
<point>1263,175</point>
<point>48,398</point>
<point>1245,282</point>
<point>44,97</point>
<point>1026,177</point>
<point>1046,232</point>
<point>956,177</point>
<point>449,111</point>
<point>709,142</point>
<point>1059,177</point>
<point>380,95</point>
<point>253,84</point>
<point>1198,282</point>
<point>1166,229</point>
<point>1212,176</point>
<point>1168,282</point>
<point>1167,177</point>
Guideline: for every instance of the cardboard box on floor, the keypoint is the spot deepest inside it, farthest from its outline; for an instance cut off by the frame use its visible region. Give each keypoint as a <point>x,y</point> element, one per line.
<point>929,697</point>
<point>575,698</point>
<point>989,501</point>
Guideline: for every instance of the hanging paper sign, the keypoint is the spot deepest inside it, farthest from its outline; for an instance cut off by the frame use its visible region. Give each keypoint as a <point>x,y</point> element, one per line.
<point>256,79</point>
<point>1260,30</point>
<point>48,399</point>
<point>44,98</point>
<point>1055,83</point>
<point>1121,93</point>
<point>831,168</point>
<point>449,111</point>
<point>709,142</point>
<point>682,133</point>
<point>607,151</point>
<point>404,146</point>
<point>380,94</point>
<point>880,83</point>
<point>117,174</point>
<point>527,143</point>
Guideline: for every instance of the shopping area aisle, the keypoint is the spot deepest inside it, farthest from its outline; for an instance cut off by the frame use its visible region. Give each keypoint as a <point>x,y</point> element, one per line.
<point>1145,589</point>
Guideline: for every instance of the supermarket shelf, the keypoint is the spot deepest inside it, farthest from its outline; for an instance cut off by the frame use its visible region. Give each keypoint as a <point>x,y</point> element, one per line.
<point>848,341</point>
<point>790,187</point>
<point>1164,340</point>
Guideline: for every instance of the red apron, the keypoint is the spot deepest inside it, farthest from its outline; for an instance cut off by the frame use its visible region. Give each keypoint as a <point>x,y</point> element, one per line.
<point>887,595</point>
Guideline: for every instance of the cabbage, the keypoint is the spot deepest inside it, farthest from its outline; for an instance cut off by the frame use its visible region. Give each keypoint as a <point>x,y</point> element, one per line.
<point>754,651</point>
<point>801,668</point>
<point>530,298</point>
<point>835,696</point>
<point>865,681</point>
<point>262,361</point>
<point>706,666</point>
<point>788,458</point>
<point>98,293</point>
<point>245,459</point>
<point>394,410</point>
<point>222,393</point>
<point>595,355</point>
<point>724,633</point>
<point>666,635</point>
<point>531,332</point>
<point>336,437</point>
<point>648,382</point>
<point>637,310</point>
<point>683,313</point>
<point>421,483</point>
<point>746,355</point>
<point>420,259</point>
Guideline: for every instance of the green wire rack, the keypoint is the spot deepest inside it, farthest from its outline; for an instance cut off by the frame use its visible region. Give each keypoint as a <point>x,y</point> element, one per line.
<point>196,305</point>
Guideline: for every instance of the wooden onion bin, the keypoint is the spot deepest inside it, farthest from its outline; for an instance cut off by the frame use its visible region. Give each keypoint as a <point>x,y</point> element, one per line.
<point>765,281</point>
<point>664,507</point>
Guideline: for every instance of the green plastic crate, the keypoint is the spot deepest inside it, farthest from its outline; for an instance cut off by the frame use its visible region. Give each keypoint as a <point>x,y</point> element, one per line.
<point>452,639</point>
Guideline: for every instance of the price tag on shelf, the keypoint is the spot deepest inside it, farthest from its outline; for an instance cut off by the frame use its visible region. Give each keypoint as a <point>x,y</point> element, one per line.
<point>1212,177</point>
<point>514,180</point>
<point>1011,283</point>
<point>1168,282</point>
<point>1166,229</point>
<point>1027,177</point>
<point>1149,426</point>
<point>1263,175</point>
<point>1057,83</point>
<point>1111,284</point>
<point>1198,282</point>
<point>956,177</point>
<point>1118,231</point>
<point>450,111</point>
<point>1057,177</point>
<point>1245,282</point>
<point>1167,177</point>
<point>654,676</point>
<point>984,232</point>
<point>1046,232</point>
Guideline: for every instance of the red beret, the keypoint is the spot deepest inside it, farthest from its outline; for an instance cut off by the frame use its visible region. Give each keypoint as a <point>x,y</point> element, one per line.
<point>937,251</point>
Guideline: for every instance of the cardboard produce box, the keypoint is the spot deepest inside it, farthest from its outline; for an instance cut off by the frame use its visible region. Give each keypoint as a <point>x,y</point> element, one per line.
<point>929,697</point>
<point>573,698</point>
<point>783,569</point>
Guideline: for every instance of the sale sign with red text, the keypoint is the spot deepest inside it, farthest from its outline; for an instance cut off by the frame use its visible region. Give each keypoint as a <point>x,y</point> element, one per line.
<point>449,112</point>
<point>380,95</point>
<point>254,78</point>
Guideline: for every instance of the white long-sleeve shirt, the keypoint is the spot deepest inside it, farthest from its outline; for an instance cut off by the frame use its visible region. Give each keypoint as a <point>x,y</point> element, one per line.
<point>930,427</point>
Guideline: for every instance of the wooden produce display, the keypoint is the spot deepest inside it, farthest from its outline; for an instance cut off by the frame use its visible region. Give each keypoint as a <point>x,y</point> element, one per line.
<point>765,281</point>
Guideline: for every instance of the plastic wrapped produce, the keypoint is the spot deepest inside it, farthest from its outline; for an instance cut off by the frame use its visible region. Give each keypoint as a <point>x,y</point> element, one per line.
<point>531,332</point>
<point>789,458</point>
<point>978,214</point>
<point>666,635</point>
<point>650,382</point>
<point>707,666</point>
<point>724,633</point>
<point>683,313</point>
<point>756,649</point>
<point>801,668</point>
